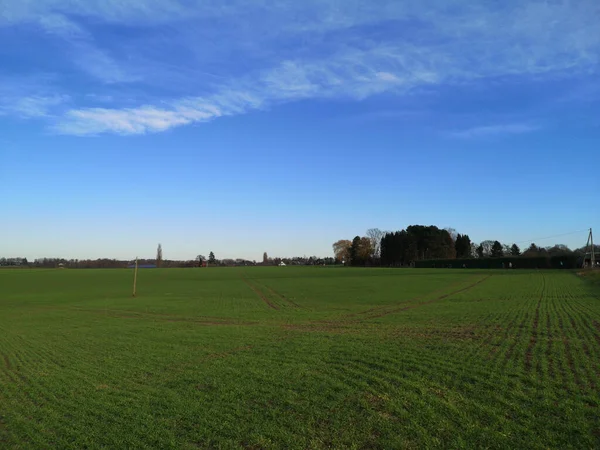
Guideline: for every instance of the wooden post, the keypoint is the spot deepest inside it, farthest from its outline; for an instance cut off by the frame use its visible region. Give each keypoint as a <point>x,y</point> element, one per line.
<point>135,277</point>
<point>593,260</point>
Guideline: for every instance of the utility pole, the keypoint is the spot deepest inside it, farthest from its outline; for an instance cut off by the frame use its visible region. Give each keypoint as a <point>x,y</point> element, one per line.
<point>135,277</point>
<point>593,251</point>
<point>590,244</point>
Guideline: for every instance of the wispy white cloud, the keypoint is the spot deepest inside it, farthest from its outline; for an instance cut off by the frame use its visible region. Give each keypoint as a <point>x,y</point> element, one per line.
<point>495,130</point>
<point>292,80</point>
<point>350,73</point>
<point>93,121</point>
<point>149,119</point>
<point>81,45</point>
<point>84,51</point>
<point>100,64</point>
<point>60,25</point>
<point>132,11</point>
<point>99,98</point>
<point>30,97</point>
<point>302,50</point>
<point>36,106</point>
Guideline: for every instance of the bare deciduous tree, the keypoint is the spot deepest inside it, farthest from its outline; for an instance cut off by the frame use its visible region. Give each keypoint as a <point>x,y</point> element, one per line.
<point>487,248</point>
<point>375,235</point>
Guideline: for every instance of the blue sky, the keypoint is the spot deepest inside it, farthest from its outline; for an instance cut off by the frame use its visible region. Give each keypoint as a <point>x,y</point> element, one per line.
<point>249,126</point>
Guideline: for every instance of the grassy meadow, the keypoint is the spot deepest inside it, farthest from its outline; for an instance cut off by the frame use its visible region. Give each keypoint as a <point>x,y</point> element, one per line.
<point>299,357</point>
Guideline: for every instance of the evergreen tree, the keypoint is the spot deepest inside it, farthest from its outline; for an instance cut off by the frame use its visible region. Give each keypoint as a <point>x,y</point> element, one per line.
<point>463,246</point>
<point>159,256</point>
<point>458,245</point>
<point>480,251</point>
<point>211,258</point>
<point>497,251</point>
<point>418,242</point>
<point>532,251</point>
<point>515,250</point>
<point>466,246</point>
<point>355,252</point>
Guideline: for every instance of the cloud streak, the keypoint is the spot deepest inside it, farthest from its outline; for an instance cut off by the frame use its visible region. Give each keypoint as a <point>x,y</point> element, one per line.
<point>92,121</point>
<point>30,97</point>
<point>495,130</point>
<point>150,119</point>
<point>36,106</point>
<point>347,76</point>
<point>82,48</point>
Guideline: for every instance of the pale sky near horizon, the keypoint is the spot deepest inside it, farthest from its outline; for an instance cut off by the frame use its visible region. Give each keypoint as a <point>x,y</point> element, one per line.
<point>257,126</point>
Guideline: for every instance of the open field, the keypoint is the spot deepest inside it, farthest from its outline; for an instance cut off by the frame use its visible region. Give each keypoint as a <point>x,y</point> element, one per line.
<point>299,358</point>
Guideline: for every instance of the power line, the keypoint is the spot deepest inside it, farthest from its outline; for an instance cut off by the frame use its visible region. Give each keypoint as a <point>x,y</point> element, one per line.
<point>551,237</point>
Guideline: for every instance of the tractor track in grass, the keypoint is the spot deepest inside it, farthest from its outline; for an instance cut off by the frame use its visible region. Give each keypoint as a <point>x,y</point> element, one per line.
<point>280,296</point>
<point>379,312</point>
<point>260,294</point>
<point>358,316</point>
<point>344,324</point>
<point>428,302</point>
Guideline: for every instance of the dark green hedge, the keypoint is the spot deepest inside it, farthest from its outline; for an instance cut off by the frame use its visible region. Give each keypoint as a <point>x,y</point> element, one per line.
<point>542,262</point>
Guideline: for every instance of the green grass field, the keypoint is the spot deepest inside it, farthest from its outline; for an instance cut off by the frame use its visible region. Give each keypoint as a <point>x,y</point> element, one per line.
<point>299,358</point>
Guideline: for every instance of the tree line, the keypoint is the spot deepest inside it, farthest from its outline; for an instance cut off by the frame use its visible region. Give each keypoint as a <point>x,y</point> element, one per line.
<point>421,243</point>
<point>376,248</point>
<point>159,261</point>
<point>100,263</point>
